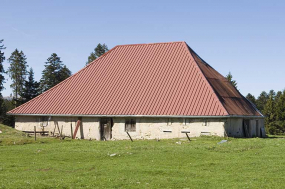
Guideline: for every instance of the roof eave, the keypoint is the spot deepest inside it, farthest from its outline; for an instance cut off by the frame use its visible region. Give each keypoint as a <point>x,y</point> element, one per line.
<point>146,116</point>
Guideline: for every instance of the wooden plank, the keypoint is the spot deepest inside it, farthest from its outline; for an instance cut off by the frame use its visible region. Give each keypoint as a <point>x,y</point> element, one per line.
<point>76,128</point>
<point>129,136</point>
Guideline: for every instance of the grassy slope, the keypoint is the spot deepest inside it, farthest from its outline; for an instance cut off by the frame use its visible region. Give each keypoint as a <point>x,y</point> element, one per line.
<point>239,163</point>
<point>10,136</point>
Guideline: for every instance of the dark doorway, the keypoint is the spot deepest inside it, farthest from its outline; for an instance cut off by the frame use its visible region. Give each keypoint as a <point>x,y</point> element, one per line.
<point>106,125</point>
<point>246,129</point>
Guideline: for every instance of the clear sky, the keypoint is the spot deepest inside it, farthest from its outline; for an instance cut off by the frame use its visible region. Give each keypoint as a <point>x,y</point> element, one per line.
<point>244,37</point>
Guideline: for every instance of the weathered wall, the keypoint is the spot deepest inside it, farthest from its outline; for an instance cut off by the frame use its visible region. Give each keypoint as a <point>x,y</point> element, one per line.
<point>88,129</point>
<point>234,127</point>
<point>153,128</point>
<point>146,128</point>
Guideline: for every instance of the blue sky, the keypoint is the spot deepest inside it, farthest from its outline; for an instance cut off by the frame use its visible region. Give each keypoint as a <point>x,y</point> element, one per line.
<point>244,37</point>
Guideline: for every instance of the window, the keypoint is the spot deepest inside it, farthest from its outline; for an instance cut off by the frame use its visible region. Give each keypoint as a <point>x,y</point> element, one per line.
<point>130,125</point>
<point>44,121</point>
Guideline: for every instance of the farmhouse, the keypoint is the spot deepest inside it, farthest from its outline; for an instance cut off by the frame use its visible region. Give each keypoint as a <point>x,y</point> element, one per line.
<point>149,91</point>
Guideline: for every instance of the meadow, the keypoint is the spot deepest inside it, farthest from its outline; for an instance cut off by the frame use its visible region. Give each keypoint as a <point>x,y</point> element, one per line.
<point>174,163</point>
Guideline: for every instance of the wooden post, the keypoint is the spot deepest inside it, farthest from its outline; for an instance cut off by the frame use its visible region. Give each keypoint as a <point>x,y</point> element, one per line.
<point>188,136</point>
<point>129,136</point>
<point>61,132</point>
<point>71,130</point>
<point>35,133</point>
<point>76,128</point>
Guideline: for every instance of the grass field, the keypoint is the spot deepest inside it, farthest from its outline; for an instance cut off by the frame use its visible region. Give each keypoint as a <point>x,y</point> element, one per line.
<point>201,163</point>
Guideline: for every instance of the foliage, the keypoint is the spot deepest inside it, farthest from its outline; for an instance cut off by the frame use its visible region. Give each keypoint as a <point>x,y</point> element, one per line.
<point>98,51</point>
<point>230,79</point>
<point>6,106</point>
<point>17,71</point>
<point>2,71</point>
<point>261,101</point>
<point>174,163</point>
<point>272,105</point>
<point>31,88</point>
<point>251,98</point>
<point>55,72</point>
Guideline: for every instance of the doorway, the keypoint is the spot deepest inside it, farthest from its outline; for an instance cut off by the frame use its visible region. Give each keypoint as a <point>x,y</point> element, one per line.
<point>246,128</point>
<point>106,125</point>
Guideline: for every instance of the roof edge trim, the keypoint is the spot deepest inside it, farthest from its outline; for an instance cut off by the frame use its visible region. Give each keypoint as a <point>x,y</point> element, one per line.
<point>149,116</point>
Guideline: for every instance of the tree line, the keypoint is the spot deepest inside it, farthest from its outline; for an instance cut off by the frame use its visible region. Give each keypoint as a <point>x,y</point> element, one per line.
<point>24,85</point>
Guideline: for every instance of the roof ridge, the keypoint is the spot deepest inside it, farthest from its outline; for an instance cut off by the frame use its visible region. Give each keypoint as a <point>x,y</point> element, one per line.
<point>189,50</point>
<point>150,43</point>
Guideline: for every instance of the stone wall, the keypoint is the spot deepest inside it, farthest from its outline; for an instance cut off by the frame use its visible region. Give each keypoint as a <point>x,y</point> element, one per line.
<point>146,128</point>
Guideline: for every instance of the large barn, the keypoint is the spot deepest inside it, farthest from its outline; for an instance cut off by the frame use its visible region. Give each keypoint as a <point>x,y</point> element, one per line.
<point>151,91</point>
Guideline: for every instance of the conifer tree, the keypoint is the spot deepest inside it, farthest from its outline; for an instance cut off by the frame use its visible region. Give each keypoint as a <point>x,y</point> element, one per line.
<point>31,87</point>
<point>98,51</point>
<point>251,98</point>
<point>54,73</point>
<point>261,101</point>
<point>2,71</point>
<point>17,72</point>
<point>2,79</point>
<point>230,79</point>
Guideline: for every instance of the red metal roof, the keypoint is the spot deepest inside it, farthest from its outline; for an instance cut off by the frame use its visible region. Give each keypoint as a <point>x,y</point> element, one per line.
<point>144,79</point>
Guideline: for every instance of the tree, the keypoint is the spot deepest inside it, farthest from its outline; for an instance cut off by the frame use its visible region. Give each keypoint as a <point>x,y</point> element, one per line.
<point>6,106</point>
<point>54,73</point>
<point>2,79</point>
<point>17,71</point>
<point>64,73</point>
<point>280,107</point>
<point>98,51</point>
<point>251,98</point>
<point>274,112</point>
<point>31,88</point>
<point>261,101</point>
<point>230,79</point>
<point>2,71</point>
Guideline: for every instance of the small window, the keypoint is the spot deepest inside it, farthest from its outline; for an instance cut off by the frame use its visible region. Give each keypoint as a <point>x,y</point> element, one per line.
<point>44,121</point>
<point>130,125</point>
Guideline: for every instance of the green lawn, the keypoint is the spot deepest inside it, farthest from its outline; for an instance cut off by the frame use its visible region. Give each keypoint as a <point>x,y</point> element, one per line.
<point>201,163</point>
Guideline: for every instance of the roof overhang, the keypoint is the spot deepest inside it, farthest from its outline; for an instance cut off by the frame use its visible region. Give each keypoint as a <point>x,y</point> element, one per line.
<point>146,116</point>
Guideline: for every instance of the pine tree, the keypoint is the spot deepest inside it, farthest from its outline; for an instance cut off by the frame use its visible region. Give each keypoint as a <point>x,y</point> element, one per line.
<point>17,71</point>
<point>2,79</point>
<point>230,79</point>
<point>54,73</point>
<point>98,51</point>
<point>64,73</point>
<point>261,101</point>
<point>251,98</point>
<point>2,71</point>
<point>275,113</point>
<point>31,88</point>
<point>280,107</point>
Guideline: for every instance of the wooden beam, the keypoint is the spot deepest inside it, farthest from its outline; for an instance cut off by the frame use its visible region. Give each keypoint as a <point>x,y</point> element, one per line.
<point>76,128</point>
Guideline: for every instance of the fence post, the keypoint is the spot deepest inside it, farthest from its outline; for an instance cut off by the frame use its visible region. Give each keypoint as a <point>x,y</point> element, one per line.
<point>35,133</point>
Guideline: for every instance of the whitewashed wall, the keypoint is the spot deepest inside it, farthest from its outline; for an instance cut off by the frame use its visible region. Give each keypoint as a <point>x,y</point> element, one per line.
<point>146,128</point>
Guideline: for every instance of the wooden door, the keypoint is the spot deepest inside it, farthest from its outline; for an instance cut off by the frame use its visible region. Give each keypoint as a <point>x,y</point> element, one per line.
<point>106,128</point>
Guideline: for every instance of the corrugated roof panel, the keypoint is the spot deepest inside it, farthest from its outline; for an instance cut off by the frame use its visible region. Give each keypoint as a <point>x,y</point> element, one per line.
<point>143,79</point>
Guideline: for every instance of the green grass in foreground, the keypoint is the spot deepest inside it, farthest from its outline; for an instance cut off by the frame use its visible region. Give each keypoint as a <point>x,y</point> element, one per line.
<point>201,163</point>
